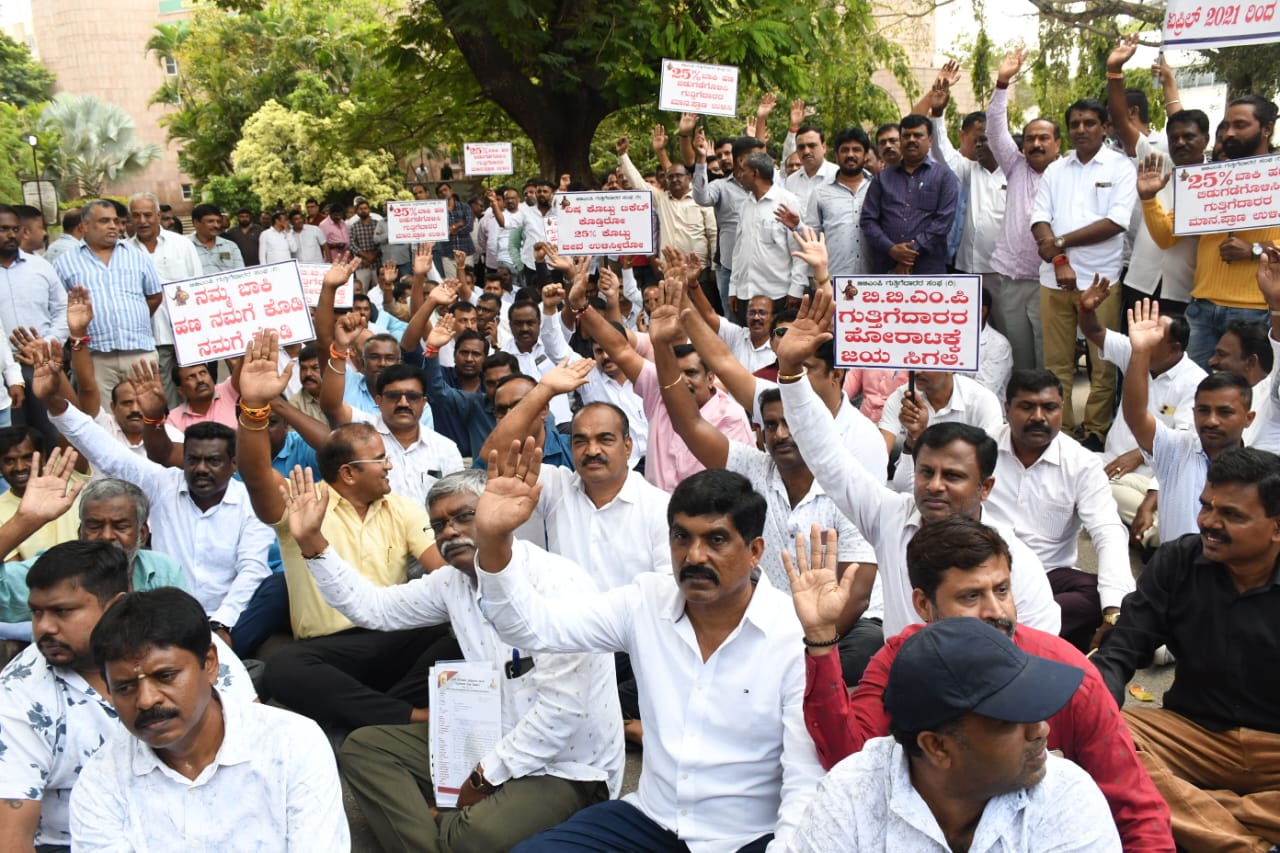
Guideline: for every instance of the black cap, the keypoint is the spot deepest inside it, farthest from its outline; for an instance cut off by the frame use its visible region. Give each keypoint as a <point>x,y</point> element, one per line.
<point>961,666</point>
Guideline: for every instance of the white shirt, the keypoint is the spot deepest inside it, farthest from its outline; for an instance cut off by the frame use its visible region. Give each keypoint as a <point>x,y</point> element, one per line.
<point>307,244</point>
<point>801,184</point>
<point>601,389</point>
<point>996,364</point>
<point>1047,504</point>
<point>550,349</point>
<point>414,469</point>
<point>535,225</point>
<point>223,549</point>
<point>560,719</point>
<point>1181,466</point>
<point>272,786</point>
<point>1171,396</point>
<point>984,212</point>
<point>970,404</point>
<point>784,522</point>
<point>1174,268</point>
<point>175,259</point>
<point>888,519</point>
<point>616,542</point>
<point>51,720</point>
<point>1264,432</point>
<point>867,803</point>
<point>107,421</point>
<point>1074,194</point>
<point>749,355</point>
<point>497,248</point>
<point>273,247</point>
<point>717,771</point>
<point>859,434</point>
<point>762,262</point>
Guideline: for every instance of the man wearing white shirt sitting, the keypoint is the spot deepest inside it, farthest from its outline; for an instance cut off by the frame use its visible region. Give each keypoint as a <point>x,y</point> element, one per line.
<point>749,344</point>
<point>995,361</point>
<point>953,475</point>
<point>561,745</point>
<point>719,774</point>
<point>1047,488</point>
<point>1248,349</point>
<point>192,770</point>
<point>608,384</point>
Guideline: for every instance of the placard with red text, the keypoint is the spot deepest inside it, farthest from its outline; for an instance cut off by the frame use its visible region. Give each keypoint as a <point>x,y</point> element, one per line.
<point>692,87</point>
<point>1191,24</point>
<point>908,322</point>
<point>487,158</point>
<point>215,316</point>
<point>1232,195</point>
<point>604,223</point>
<point>313,279</point>
<point>418,221</point>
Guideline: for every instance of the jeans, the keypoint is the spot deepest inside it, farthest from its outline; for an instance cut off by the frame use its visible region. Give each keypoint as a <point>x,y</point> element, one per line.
<point>722,284</point>
<point>1209,320</point>
<point>266,613</point>
<point>615,827</point>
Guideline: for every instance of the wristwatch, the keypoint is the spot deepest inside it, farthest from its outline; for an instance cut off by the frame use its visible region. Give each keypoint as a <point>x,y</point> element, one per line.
<point>480,783</point>
<point>1112,618</point>
<point>218,626</point>
<point>1256,250</point>
<point>1060,242</point>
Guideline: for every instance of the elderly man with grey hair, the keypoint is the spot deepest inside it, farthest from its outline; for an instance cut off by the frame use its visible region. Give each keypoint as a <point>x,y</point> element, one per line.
<point>125,288</point>
<point>110,510</point>
<point>174,258</point>
<point>561,747</point>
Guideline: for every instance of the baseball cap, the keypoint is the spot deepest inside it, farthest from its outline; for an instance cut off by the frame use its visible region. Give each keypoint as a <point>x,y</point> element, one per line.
<point>962,665</point>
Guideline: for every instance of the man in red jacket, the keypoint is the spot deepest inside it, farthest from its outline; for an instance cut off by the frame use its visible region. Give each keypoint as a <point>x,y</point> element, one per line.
<point>960,567</point>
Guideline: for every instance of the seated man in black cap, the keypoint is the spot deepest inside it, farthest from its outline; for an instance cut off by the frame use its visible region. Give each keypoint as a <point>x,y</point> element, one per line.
<point>966,767</point>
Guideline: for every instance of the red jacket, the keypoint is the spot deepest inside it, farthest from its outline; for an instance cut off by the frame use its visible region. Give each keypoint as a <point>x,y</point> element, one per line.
<point>1088,731</point>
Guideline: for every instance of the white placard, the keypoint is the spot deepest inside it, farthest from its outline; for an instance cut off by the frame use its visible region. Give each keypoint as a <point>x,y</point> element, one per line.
<point>1194,24</point>
<point>908,322</point>
<point>604,223</point>
<point>1232,195</point>
<point>418,221</point>
<point>313,281</point>
<point>487,158</point>
<point>692,87</point>
<point>215,316</point>
<point>466,722</point>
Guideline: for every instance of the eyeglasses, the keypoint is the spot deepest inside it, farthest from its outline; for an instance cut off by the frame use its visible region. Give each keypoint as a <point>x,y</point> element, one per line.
<point>758,312</point>
<point>397,396</point>
<point>377,460</point>
<point>780,331</point>
<point>457,520</point>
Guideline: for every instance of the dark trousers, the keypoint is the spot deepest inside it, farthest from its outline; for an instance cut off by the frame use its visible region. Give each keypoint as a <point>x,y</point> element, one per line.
<point>858,647</point>
<point>615,827</point>
<point>628,693</point>
<point>34,414</point>
<point>267,613</point>
<point>1077,594</point>
<point>358,677</point>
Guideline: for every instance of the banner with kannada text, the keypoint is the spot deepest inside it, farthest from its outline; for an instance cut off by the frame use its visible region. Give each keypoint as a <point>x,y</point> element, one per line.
<point>693,87</point>
<point>604,223</point>
<point>908,322</point>
<point>1231,195</point>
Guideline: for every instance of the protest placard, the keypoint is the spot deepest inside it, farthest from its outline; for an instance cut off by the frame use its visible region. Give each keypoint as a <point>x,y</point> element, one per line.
<point>1194,24</point>
<point>908,322</point>
<point>418,221</point>
<point>487,158</point>
<point>215,316</point>
<point>1232,195</point>
<point>692,87</point>
<point>313,278</point>
<point>604,223</point>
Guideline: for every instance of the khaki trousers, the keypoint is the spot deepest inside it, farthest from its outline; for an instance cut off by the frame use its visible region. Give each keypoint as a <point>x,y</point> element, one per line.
<point>1058,316</point>
<point>1223,788</point>
<point>110,368</point>
<point>389,771</point>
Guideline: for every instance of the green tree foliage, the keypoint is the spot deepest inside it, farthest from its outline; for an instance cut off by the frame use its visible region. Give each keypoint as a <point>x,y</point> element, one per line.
<point>23,81</point>
<point>15,152</point>
<point>97,144</point>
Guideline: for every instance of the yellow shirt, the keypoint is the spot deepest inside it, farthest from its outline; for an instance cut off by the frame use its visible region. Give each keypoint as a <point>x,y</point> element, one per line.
<point>379,546</point>
<point>64,528</point>
<point>1234,285</point>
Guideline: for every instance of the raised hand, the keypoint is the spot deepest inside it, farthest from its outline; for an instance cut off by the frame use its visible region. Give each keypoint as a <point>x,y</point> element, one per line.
<point>1145,329</point>
<point>79,311</point>
<point>307,501</point>
<point>445,293</point>
<point>555,260</point>
<point>687,123</point>
<point>622,145</point>
<point>1152,176</point>
<point>423,262</point>
<point>459,261</point>
<point>441,333</point>
<point>659,138</point>
<point>346,331</point>
<point>1125,47</point>
<point>45,358</point>
<point>608,286</point>
<point>766,106</point>
<point>1269,276</point>
<point>664,323</point>
<point>1012,64</point>
<point>813,250</point>
<point>1096,294</point>
<point>340,272</point>
<point>388,275</point>
<point>949,74</point>
<point>50,492</point>
<point>552,298</point>
<point>568,376</point>
<point>818,597</point>
<point>261,380</point>
<point>797,112</point>
<point>511,494</point>
<point>20,339</point>
<point>149,388</point>
<point>811,329</point>
<point>701,147</point>
<point>786,216</point>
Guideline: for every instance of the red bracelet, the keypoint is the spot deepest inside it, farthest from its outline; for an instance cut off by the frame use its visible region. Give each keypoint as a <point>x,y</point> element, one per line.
<point>77,343</point>
<point>1061,260</point>
<point>430,351</point>
<point>1004,85</point>
<point>335,353</point>
<point>152,421</point>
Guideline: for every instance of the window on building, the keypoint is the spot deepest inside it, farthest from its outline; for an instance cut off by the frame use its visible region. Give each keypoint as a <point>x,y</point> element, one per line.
<point>186,192</point>
<point>170,66</point>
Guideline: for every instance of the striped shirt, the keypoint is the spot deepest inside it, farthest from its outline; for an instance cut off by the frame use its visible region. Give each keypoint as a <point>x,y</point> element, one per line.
<point>121,318</point>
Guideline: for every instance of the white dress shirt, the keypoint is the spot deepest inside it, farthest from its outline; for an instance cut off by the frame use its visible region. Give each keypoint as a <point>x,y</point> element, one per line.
<point>1047,504</point>
<point>223,549</point>
<point>272,786</point>
<point>868,803</point>
<point>802,185</point>
<point>1264,432</point>
<point>175,259</point>
<point>984,212</point>
<point>859,434</point>
<point>1174,268</point>
<point>1181,466</point>
<point>107,421</point>
<point>1171,396</point>
<point>738,340</point>
<point>560,719</point>
<point>719,772</point>
<point>996,363</point>
<point>51,721</point>
<point>970,404</point>
<point>784,522</point>
<point>550,349</point>
<point>414,469</point>
<point>273,247</point>
<point>616,542</point>
<point>307,245</point>
<point>601,389</point>
<point>762,263</point>
<point>889,519</point>
<point>1074,194</point>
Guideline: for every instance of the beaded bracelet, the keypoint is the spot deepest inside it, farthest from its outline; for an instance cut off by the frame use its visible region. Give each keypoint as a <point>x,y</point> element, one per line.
<point>251,427</point>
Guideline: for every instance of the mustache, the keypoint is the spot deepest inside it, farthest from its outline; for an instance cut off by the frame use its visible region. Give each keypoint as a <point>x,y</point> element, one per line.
<point>1004,625</point>
<point>403,410</point>
<point>586,460</point>
<point>46,641</point>
<point>1217,534</point>
<point>695,572</point>
<point>153,715</point>
<point>1037,428</point>
<point>457,543</point>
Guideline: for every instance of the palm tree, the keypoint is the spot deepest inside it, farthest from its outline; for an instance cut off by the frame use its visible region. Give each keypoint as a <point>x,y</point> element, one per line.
<point>98,145</point>
<point>165,43</point>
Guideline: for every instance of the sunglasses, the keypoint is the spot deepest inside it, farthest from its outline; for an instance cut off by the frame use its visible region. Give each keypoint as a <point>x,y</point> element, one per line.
<point>780,331</point>
<point>411,396</point>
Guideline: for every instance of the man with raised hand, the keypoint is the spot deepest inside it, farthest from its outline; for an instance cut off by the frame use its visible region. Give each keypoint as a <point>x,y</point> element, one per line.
<point>953,476</point>
<point>718,775</point>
